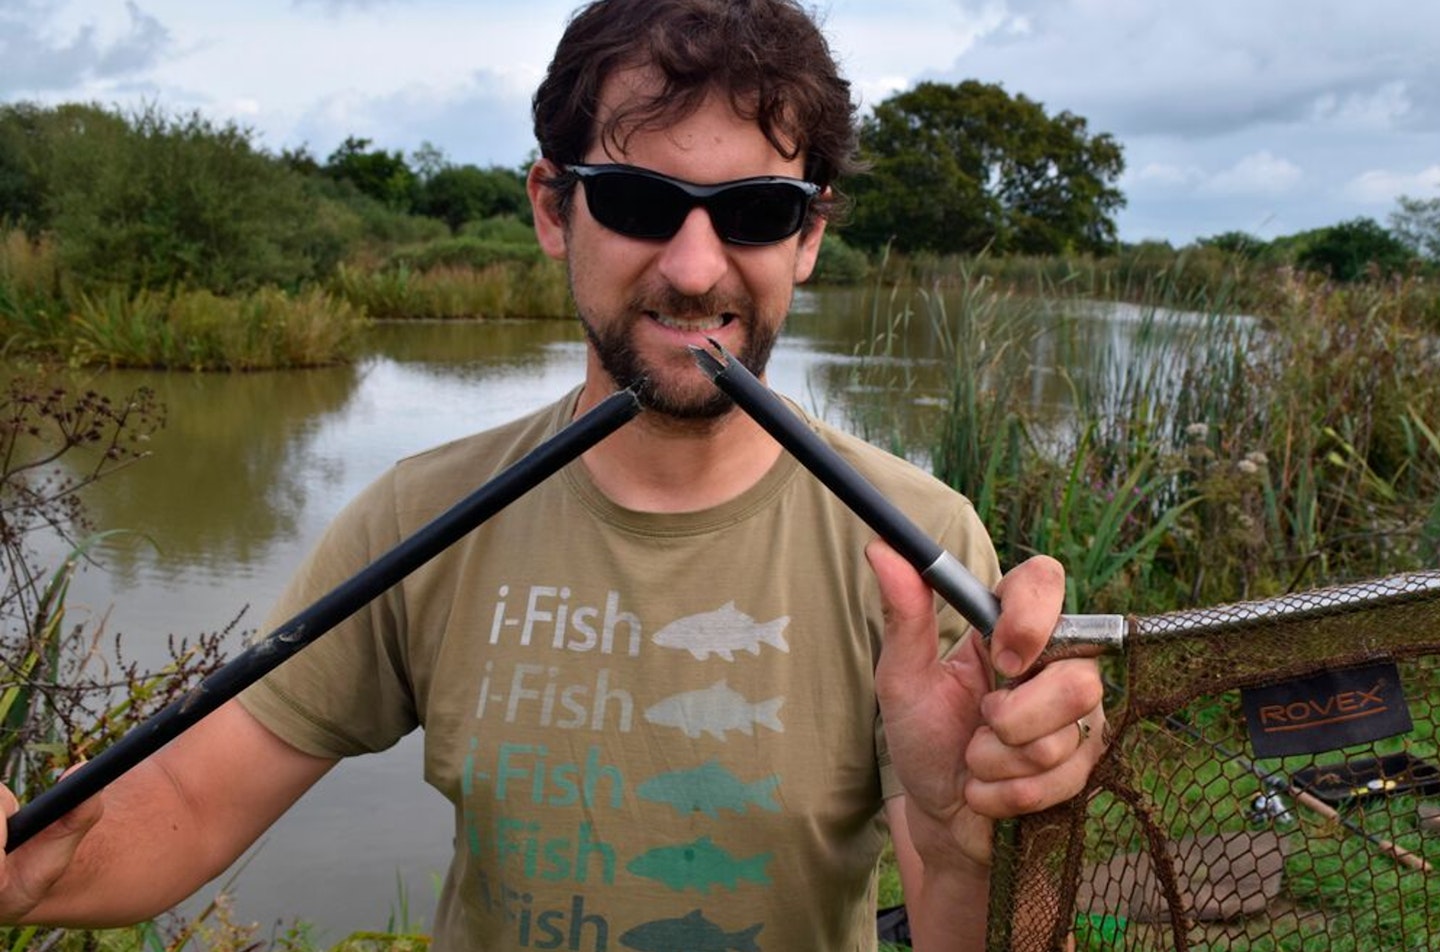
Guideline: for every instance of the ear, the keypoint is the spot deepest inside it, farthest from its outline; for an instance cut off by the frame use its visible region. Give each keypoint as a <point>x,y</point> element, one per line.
<point>808,251</point>
<point>549,228</point>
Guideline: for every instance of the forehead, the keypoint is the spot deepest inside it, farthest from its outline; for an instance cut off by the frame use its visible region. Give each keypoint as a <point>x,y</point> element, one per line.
<point>631,129</point>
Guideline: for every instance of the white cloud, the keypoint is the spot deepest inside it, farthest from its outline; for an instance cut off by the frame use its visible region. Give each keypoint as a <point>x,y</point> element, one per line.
<point>1259,173</point>
<point>1167,174</point>
<point>1383,187</point>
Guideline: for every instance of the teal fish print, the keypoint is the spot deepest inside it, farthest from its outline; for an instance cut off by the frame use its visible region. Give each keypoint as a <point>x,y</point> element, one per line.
<point>699,865</point>
<point>693,933</point>
<point>708,789</point>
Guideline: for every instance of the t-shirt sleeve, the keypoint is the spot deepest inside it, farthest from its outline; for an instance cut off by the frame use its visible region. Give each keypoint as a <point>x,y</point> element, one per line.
<point>347,692</point>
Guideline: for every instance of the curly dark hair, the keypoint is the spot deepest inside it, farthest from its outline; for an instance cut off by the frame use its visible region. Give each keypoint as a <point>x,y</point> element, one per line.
<point>768,56</point>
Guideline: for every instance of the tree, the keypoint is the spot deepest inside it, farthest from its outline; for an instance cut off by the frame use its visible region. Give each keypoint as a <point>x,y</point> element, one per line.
<point>961,168</point>
<point>150,200</point>
<point>457,194</point>
<point>384,176</point>
<point>1417,226</point>
<point>1239,243</point>
<point>23,188</point>
<point>1348,251</point>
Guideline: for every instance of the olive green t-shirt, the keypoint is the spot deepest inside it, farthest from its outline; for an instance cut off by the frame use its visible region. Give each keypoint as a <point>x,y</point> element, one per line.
<point>658,731</point>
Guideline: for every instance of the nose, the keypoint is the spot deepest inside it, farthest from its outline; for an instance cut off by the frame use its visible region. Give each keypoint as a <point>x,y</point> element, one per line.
<point>694,259</point>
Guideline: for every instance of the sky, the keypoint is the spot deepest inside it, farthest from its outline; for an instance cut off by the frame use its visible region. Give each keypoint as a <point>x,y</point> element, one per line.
<point>1259,116</point>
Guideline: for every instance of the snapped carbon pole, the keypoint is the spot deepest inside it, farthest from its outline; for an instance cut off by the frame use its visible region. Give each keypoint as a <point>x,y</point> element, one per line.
<point>943,572</point>
<point>324,614</point>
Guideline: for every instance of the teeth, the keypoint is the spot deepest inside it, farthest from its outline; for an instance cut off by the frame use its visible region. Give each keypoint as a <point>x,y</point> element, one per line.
<point>702,324</point>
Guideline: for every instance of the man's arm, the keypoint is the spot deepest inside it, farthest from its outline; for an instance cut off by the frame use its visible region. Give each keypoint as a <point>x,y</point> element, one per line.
<point>948,909</point>
<point>162,830</point>
<point>966,752</point>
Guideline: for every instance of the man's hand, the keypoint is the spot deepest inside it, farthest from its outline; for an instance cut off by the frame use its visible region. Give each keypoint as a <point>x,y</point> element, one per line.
<point>27,875</point>
<point>966,752</point>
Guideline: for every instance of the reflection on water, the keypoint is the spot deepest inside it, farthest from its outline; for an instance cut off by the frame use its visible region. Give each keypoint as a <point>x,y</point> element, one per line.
<point>238,441</point>
<point>250,468</point>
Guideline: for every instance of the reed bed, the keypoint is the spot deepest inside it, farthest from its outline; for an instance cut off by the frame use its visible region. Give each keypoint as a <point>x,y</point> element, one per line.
<point>1220,457</point>
<point>534,289</point>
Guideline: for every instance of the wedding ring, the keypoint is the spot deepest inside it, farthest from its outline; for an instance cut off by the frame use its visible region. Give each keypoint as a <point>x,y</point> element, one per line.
<point>1084,730</point>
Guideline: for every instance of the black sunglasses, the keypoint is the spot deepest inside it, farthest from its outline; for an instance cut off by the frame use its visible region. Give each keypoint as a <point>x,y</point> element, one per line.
<point>639,203</point>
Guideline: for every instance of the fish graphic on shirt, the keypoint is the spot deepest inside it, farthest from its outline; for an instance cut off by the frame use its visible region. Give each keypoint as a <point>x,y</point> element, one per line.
<point>722,632</point>
<point>699,865</point>
<point>708,789</point>
<point>715,710</point>
<point>691,933</point>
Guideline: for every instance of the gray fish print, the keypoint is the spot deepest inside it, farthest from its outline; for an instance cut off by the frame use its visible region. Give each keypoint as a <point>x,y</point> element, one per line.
<point>715,710</point>
<point>722,632</point>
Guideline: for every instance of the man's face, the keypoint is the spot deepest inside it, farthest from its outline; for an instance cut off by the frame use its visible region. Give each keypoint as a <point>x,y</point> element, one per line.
<point>644,302</point>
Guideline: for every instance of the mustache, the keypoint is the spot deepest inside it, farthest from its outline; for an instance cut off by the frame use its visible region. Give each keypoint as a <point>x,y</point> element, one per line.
<point>669,301</point>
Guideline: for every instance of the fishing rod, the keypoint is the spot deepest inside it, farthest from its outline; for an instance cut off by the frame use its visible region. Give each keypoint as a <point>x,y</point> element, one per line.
<point>946,574</point>
<point>1074,635</point>
<point>1274,783</point>
<point>324,614</point>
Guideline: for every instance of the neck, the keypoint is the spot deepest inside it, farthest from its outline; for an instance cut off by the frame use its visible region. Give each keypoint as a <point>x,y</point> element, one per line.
<point>660,464</point>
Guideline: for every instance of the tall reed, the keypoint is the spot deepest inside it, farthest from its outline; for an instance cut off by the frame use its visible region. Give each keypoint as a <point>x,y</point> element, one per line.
<point>1213,457</point>
<point>198,330</point>
<point>506,289</point>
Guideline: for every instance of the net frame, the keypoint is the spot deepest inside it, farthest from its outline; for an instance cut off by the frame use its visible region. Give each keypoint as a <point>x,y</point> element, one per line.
<point>1171,661</point>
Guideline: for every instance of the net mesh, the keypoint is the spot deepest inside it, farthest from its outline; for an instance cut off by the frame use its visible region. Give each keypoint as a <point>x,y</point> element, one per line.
<point>1183,841</point>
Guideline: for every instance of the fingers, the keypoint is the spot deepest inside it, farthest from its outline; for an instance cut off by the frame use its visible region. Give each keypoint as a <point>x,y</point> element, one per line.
<point>1051,702</point>
<point>910,648</point>
<point>1031,597</point>
<point>1040,741</point>
<point>1017,796</point>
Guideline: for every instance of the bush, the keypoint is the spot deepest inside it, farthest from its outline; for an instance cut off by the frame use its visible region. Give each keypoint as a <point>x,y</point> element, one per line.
<point>838,263</point>
<point>503,228</point>
<point>150,201</point>
<point>510,288</point>
<point>467,252</point>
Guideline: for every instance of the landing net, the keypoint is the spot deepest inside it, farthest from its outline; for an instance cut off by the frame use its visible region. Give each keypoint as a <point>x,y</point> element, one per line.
<point>1186,838</point>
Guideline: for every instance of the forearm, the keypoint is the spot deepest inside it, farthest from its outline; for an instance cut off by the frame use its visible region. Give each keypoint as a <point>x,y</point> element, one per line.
<point>175,822</point>
<point>147,853</point>
<point>946,891</point>
<point>948,909</point>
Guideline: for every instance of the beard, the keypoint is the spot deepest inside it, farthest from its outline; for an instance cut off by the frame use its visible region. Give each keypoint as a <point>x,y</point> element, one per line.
<point>614,347</point>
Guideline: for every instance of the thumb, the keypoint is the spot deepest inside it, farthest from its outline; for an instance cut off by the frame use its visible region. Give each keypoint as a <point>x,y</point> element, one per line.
<point>911,647</point>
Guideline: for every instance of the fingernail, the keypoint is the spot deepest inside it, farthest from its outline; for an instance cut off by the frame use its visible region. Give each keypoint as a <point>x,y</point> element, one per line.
<point>1008,663</point>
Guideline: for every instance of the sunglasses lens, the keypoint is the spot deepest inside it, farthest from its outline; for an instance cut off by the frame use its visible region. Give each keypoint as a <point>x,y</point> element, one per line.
<point>758,214</point>
<point>644,205</point>
<point>636,205</point>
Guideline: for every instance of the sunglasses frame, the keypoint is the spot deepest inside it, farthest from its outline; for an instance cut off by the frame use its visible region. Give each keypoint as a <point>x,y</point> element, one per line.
<point>702,196</point>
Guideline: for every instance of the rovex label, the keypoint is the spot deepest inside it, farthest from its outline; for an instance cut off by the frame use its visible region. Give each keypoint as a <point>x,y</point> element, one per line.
<point>1326,711</point>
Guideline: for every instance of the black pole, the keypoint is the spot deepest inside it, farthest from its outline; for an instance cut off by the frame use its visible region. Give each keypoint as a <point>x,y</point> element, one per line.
<point>340,603</point>
<point>944,573</point>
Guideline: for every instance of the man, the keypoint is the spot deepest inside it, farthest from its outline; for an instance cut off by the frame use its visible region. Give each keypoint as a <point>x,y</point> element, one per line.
<point>654,688</point>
